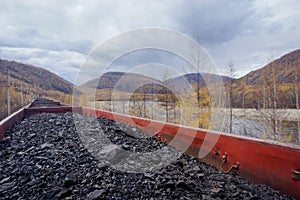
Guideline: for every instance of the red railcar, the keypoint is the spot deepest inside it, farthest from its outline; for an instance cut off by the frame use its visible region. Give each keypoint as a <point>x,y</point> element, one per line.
<point>271,163</point>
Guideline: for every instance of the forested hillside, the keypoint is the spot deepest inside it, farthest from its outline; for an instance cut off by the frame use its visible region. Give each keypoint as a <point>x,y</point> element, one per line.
<point>274,85</point>
<point>29,82</point>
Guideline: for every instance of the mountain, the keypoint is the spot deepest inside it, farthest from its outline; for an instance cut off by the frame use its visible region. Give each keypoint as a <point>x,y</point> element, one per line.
<point>127,82</point>
<point>274,85</point>
<point>284,70</point>
<point>196,78</point>
<point>35,76</point>
<point>120,81</point>
<point>29,82</point>
<point>277,81</point>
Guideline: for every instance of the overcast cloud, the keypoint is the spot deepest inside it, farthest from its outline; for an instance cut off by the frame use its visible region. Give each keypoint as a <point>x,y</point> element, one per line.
<point>58,35</point>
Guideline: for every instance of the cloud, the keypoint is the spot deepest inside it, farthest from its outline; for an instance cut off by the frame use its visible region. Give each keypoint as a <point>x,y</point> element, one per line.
<point>63,63</point>
<point>67,31</point>
<point>213,21</point>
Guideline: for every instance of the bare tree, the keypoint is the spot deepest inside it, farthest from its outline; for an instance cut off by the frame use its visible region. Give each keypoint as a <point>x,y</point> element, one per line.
<point>231,74</point>
<point>296,90</point>
<point>197,59</point>
<point>270,113</point>
<point>8,93</point>
<point>274,109</point>
<point>273,99</point>
<point>152,99</point>
<point>165,76</point>
<point>144,105</point>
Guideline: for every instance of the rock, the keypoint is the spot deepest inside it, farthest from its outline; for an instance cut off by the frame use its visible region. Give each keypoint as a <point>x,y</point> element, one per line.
<point>216,190</point>
<point>126,147</point>
<point>64,193</point>
<point>170,184</point>
<point>207,197</point>
<point>148,175</point>
<point>196,169</point>
<point>45,145</point>
<point>70,180</point>
<point>4,180</point>
<point>60,134</point>
<point>21,153</point>
<point>58,123</point>
<point>6,186</point>
<point>200,175</point>
<point>183,185</point>
<point>180,164</point>
<point>95,194</point>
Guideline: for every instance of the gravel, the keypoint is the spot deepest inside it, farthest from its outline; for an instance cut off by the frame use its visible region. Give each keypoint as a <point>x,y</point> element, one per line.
<point>45,157</point>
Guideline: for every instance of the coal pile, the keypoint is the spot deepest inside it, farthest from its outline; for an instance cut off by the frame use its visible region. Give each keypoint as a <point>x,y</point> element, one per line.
<point>130,138</point>
<point>44,103</point>
<point>45,157</point>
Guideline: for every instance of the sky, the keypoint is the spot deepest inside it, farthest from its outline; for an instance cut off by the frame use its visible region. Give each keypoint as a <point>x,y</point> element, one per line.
<point>60,35</point>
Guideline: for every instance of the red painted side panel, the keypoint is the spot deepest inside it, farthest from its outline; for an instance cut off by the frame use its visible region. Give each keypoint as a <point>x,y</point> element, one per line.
<point>260,161</point>
<point>8,122</point>
<point>32,111</point>
<point>264,163</point>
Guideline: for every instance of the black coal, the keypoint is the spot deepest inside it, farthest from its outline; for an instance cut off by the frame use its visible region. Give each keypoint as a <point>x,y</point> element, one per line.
<point>43,157</point>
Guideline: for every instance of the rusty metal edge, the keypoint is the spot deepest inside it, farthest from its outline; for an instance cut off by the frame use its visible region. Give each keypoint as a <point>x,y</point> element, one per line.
<point>62,109</point>
<point>9,121</point>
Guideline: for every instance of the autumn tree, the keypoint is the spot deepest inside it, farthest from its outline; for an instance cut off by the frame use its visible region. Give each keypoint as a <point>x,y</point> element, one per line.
<point>231,74</point>
<point>206,111</point>
<point>268,107</point>
<point>164,95</point>
<point>296,91</point>
<point>197,58</point>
